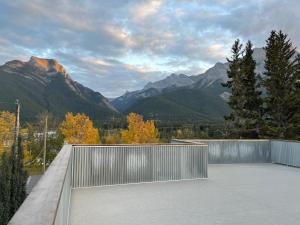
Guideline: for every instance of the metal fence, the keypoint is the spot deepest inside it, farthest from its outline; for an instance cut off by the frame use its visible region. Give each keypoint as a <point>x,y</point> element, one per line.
<point>234,150</point>
<point>107,165</point>
<point>82,166</point>
<point>286,152</point>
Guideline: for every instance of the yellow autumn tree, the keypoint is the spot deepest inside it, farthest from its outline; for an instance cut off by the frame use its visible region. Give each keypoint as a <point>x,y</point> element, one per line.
<point>79,129</point>
<point>7,124</point>
<point>139,131</point>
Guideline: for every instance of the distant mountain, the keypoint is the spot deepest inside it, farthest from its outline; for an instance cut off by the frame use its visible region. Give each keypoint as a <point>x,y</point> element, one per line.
<point>43,84</point>
<point>214,74</point>
<point>217,73</point>
<point>173,80</point>
<point>198,93</point>
<point>123,102</point>
<point>184,104</point>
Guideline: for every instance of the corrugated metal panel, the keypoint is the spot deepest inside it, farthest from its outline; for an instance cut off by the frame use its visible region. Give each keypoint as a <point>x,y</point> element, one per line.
<point>286,152</point>
<point>239,151</point>
<point>107,165</point>
<point>234,150</point>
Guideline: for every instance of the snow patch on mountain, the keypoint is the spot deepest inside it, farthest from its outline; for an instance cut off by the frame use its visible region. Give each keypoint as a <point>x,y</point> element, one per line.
<point>174,80</point>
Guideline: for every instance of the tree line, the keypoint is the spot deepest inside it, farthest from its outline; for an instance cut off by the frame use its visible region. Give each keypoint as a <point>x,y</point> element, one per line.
<point>267,104</point>
<point>74,129</point>
<point>79,129</point>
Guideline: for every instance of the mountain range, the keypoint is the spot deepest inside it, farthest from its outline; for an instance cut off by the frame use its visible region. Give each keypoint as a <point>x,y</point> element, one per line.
<point>181,97</point>
<point>44,85</point>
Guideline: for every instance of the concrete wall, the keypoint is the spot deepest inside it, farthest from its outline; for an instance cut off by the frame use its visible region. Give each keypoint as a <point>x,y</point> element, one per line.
<point>107,165</point>
<point>234,150</point>
<point>62,214</point>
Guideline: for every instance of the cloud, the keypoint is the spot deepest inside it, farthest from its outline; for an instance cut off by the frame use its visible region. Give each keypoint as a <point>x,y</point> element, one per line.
<point>217,51</point>
<point>145,9</point>
<point>113,46</point>
<point>117,77</point>
<point>120,35</point>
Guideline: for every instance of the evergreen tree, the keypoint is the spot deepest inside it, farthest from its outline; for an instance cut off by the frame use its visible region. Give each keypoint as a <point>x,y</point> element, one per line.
<point>18,179</point>
<point>12,183</point>
<point>251,101</point>
<point>280,79</point>
<point>245,100</point>
<point>5,176</point>
<point>294,129</point>
<point>234,83</point>
<point>22,178</point>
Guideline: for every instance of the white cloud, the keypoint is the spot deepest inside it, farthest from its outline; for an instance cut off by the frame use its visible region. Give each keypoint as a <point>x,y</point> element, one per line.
<point>119,34</point>
<point>144,9</point>
<point>217,51</point>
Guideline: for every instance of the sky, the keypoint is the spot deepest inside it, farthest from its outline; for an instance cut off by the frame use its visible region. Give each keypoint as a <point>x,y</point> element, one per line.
<point>114,46</point>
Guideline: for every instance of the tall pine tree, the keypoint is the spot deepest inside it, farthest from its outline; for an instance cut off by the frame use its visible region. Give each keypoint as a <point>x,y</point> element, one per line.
<point>294,128</point>
<point>245,100</point>
<point>234,84</point>
<point>252,102</point>
<point>12,183</point>
<point>18,179</point>
<point>5,186</point>
<point>280,80</point>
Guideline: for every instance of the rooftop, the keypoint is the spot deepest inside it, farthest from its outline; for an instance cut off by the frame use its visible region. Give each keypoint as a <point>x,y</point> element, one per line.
<point>234,194</point>
<point>207,182</point>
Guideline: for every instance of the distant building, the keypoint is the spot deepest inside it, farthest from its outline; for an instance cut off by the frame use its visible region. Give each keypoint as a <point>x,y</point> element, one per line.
<point>7,143</point>
<point>50,133</point>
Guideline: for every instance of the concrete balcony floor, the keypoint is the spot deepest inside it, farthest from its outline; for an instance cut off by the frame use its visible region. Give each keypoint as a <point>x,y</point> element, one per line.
<point>234,194</point>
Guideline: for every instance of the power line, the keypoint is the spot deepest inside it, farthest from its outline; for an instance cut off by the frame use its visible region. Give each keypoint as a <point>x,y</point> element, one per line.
<point>17,126</point>
<point>45,141</point>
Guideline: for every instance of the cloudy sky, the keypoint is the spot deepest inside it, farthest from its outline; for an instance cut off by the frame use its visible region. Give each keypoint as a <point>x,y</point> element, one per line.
<point>113,46</point>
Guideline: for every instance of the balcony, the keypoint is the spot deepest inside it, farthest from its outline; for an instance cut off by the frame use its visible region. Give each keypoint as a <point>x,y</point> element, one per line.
<point>188,182</point>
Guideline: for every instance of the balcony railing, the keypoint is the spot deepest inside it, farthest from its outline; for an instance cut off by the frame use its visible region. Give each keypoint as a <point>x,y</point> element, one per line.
<point>85,166</point>
<point>235,150</point>
<point>108,165</point>
<point>286,152</point>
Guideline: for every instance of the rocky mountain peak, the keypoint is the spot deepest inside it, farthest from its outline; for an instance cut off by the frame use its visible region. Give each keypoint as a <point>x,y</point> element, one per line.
<point>47,65</point>
<point>210,80</point>
<point>174,80</point>
<point>14,64</point>
<point>38,83</point>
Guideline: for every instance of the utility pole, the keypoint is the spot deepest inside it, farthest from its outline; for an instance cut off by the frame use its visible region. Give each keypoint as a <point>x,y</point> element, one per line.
<point>45,141</point>
<point>17,126</point>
